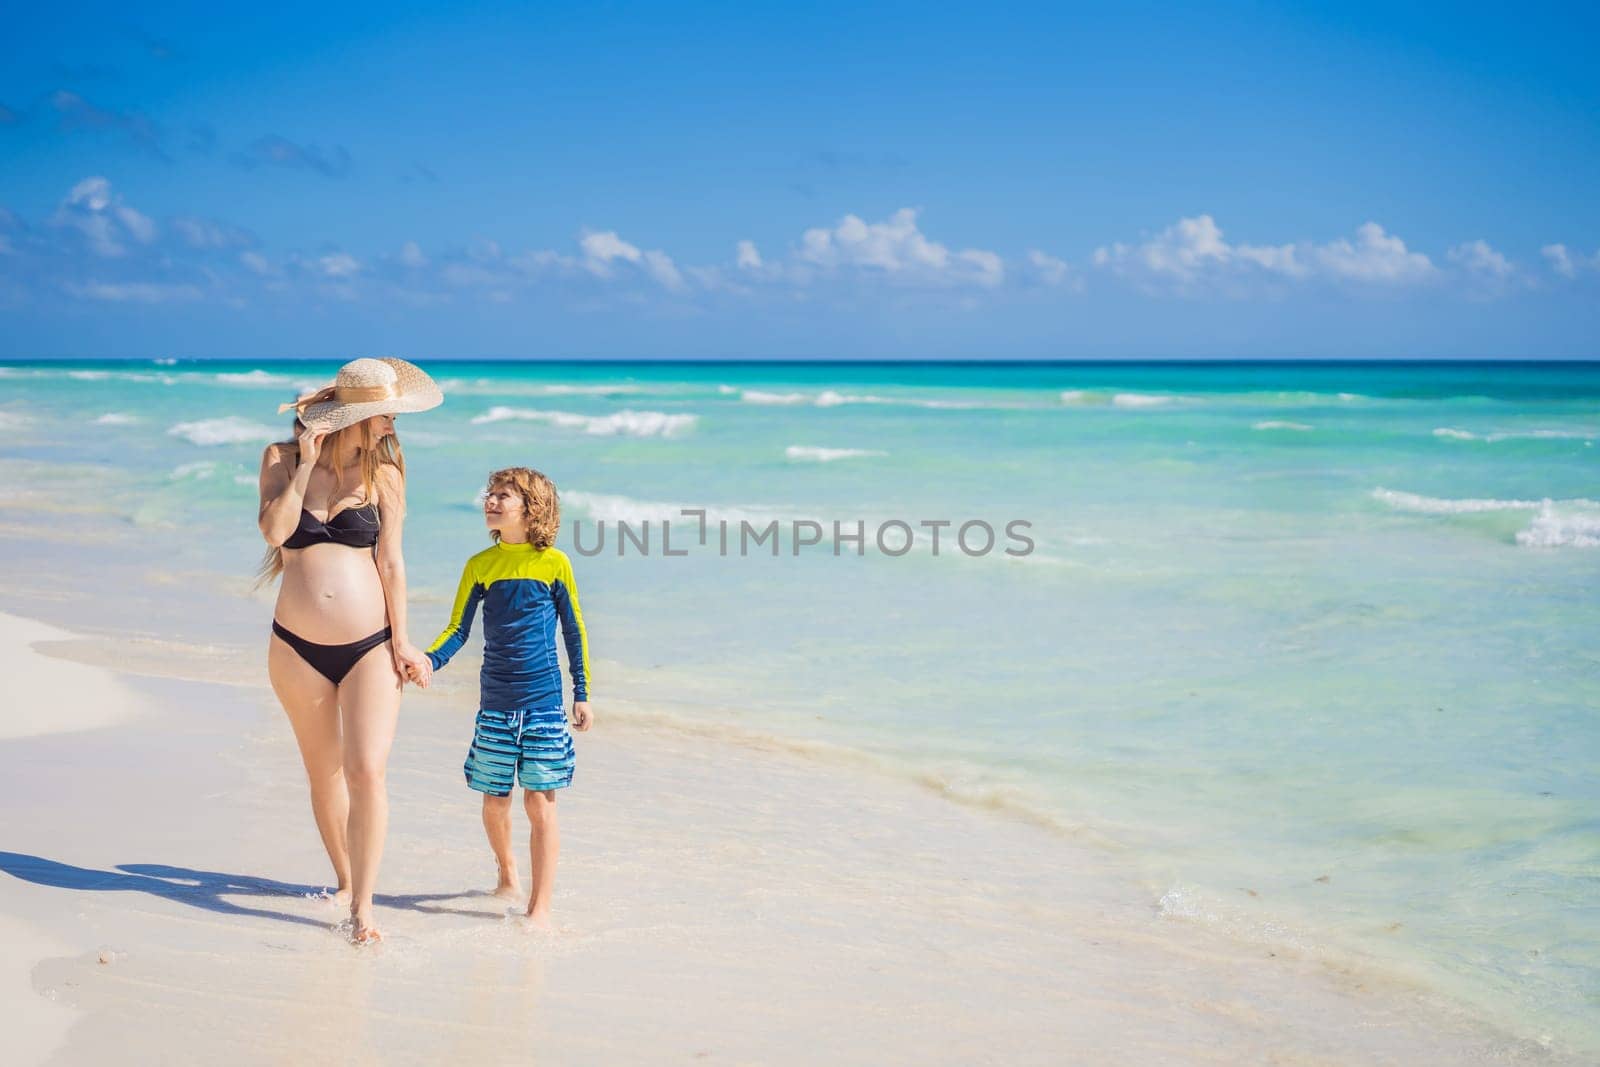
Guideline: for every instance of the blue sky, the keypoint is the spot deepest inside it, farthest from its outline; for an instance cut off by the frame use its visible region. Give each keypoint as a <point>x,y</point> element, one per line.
<point>722,181</point>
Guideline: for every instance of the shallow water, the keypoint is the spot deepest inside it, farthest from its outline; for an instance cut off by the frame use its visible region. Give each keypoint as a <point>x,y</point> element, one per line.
<point>1314,643</point>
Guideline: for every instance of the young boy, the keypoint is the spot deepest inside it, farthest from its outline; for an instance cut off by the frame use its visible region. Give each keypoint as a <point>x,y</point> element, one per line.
<point>525,585</point>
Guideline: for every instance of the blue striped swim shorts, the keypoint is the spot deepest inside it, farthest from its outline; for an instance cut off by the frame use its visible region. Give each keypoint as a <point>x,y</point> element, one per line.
<point>534,745</point>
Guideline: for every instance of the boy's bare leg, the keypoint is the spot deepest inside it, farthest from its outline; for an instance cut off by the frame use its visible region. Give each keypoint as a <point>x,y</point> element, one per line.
<point>497,824</point>
<point>544,845</point>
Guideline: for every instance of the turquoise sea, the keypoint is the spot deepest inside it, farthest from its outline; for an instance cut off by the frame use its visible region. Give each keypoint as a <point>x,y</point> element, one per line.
<point>1315,644</point>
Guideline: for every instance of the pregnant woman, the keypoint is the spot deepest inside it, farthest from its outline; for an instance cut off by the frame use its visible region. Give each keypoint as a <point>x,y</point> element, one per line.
<point>332,505</point>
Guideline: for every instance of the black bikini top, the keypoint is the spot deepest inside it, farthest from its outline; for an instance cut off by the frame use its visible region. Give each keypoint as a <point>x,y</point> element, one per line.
<point>356,527</point>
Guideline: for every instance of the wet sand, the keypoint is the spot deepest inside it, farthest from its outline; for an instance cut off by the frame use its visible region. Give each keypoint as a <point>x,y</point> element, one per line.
<point>720,899</point>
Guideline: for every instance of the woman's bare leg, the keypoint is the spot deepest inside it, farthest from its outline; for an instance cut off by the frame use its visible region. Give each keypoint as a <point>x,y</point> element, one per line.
<point>311,702</point>
<point>544,846</point>
<point>497,824</point>
<point>369,705</point>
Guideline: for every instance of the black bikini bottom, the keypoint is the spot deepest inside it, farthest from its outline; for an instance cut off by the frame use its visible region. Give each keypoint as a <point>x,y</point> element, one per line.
<point>333,662</point>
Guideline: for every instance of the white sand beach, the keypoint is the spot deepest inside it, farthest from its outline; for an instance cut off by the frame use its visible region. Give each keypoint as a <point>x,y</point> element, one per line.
<point>719,900</point>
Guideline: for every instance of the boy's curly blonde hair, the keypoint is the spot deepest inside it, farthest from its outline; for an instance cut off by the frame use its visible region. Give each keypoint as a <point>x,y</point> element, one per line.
<point>540,503</point>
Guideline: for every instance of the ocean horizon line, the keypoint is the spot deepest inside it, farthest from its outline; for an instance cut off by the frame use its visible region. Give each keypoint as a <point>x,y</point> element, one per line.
<point>658,361</point>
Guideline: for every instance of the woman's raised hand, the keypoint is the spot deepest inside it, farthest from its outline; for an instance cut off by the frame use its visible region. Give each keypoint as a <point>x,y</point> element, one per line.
<point>311,445</point>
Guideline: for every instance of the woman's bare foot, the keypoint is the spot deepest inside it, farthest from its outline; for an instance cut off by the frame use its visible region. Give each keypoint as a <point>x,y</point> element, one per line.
<point>339,898</point>
<point>538,920</point>
<point>507,886</point>
<point>362,932</point>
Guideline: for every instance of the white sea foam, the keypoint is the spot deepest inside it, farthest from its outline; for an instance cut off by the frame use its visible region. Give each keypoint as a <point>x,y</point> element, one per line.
<point>1094,398</point>
<point>586,390</point>
<point>1433,505</point>
<point>827,455</point>
<point>42,373</point>
<point>1557,527</point>
<point>253,377</point>
<point>1557,523</point>
<point>625,423</point>
<point>506,387</point>
<point>116,418</point>
<point>614,507</point>
<point>1140,400</point>
<point>118,376</point>
<point>757,396</point>
<point>1279,424</point>
<point>164,362</point>
<point>206,469</point>
<point>829,398</point>
<point>12,420</point>
<point>231,430</point>
<point>1190,903</point>
<point>198,470</point>
<point>1452,434</point>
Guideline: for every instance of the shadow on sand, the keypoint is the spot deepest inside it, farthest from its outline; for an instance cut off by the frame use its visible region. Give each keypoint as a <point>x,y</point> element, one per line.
<point>207,890</point>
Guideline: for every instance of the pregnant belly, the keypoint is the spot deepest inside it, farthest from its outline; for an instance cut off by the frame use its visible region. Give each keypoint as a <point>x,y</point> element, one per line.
<point>331,594</point>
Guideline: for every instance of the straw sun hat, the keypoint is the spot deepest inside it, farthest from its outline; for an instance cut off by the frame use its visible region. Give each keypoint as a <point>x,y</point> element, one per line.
<point>364,388</point>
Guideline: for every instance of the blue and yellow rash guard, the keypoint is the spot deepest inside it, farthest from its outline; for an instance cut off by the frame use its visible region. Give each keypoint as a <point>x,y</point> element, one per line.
<point>524,591</point>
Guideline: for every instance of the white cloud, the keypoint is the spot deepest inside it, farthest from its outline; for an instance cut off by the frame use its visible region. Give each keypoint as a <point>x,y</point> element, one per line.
<point>338,265</point>
<point>1374,257</point>
<point>109,224</point>
<point>1477,257</point>
<point>1050,271</point>
<point>256,263</point>
<point>602,249</point>
<point>411,256</point>
<point>133,292</point>
<point>471,276</point>
<point>1567,263</point>
<point>1193,251</point>
<point>542,259</point>
<point>749,257</point>
<point>660,267</point>
<point>206,234</point>
<point>93,194</point>
<point>898,250</point>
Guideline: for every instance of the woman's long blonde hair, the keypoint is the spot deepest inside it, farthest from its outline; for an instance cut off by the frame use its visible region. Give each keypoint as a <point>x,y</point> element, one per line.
<point>374,452</point>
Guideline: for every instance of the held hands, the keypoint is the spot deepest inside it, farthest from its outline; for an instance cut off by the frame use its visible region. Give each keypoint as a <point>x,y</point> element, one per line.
<point>582,718</point>
<point>412,663</point>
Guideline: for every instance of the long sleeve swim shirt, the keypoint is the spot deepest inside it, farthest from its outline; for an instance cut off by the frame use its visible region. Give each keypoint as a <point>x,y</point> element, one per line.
<point>524,592</point>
